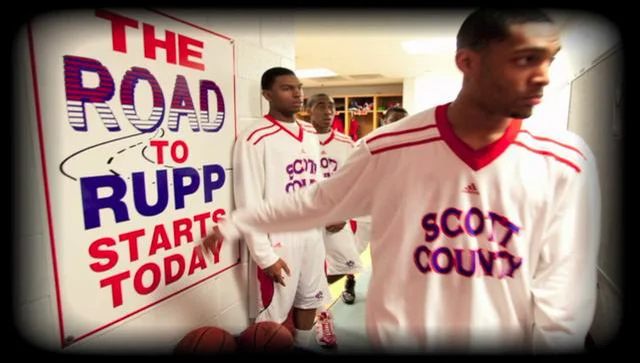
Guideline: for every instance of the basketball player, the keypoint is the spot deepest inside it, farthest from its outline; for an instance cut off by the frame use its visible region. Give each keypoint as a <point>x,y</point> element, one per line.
<point>362,225</point>
<point>276,156</point>
<point>486,227</point>
<point>393,114</point>
<point>340,244</point>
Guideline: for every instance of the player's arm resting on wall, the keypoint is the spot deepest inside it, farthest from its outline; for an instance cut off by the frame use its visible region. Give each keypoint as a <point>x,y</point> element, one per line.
<point>564,280</point>
<point>248,186</point>
<point>346,194</point>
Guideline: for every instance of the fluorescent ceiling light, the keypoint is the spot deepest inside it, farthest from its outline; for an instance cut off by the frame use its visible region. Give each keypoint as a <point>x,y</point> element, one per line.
<point>315,72</point>
<point>431,45</point>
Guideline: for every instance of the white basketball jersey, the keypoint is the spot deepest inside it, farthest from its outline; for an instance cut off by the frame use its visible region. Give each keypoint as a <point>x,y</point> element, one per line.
<point>280,157</point>
<point>335,149</point>
<point>471,250</point>
<point>343,254</point>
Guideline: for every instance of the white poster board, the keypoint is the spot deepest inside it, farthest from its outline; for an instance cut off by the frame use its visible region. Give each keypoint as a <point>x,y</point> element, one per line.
<point>136,118</point>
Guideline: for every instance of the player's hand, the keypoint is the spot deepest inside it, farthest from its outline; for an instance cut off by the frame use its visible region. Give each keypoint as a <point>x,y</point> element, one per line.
<point>334,228</point>
<point>210,242</point>
<point>275,271</point>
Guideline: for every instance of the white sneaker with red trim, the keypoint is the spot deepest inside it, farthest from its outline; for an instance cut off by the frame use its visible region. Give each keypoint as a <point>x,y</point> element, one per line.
<point>325,335</point>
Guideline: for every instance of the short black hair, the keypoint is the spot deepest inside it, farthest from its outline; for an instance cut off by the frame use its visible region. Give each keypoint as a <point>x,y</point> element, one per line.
<point>397,109</point>
<point>270,75</point>
<point>311,101</point>
<point>484,26</point>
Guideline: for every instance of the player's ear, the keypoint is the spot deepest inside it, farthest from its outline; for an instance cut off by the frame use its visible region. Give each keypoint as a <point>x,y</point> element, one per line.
<point>267,95</point>
<point>467,61</point>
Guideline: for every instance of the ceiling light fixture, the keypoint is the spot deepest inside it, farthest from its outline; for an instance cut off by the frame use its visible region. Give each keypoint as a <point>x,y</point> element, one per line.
<point>431,45</point>
<point>315,73</point>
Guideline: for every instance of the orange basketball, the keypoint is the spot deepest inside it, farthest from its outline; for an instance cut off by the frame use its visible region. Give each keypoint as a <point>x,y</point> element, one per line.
<point>207,339</point>
<point>265,336</point>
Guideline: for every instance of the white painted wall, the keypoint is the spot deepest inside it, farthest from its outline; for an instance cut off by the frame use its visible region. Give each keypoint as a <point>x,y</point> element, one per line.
<point>592,39</point>
<point>585,38</point>
<point>431,89</point>
<point>263,41</point>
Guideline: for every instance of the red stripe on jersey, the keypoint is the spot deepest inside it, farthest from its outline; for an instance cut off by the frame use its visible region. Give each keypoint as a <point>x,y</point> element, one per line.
<point>260,129</point>
<point>542,138</point>
<point>547,153</point>
<point>475,159</point>
<point>395,133</point>
<point>337,137</point>
<point>265,135</point>
<point>310,130</point>
<point>328,140</point>
<point>267,288</point>
<point>340,133</point>
<point>343,138</point>
<point>406,144</point>
<point>276,122</point>
<point>350,142</point>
